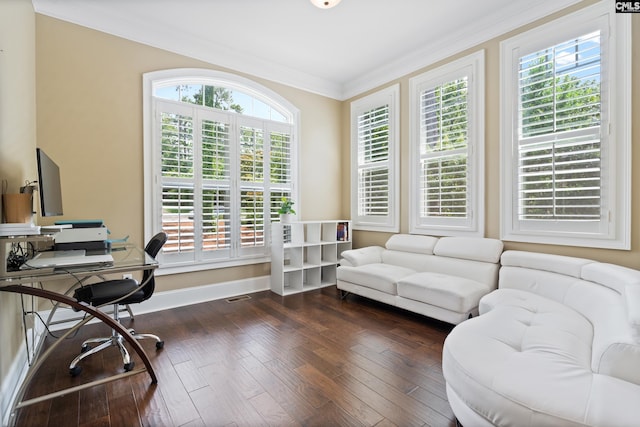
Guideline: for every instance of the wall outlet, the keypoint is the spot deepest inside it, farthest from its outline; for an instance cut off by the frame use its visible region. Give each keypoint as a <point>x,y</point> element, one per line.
<point>127,276</point>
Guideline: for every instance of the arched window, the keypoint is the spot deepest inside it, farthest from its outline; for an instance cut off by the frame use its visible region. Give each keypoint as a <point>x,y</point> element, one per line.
<point>220,154</point>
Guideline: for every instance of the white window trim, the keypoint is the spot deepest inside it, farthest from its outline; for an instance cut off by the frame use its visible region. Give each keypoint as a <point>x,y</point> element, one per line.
<point>471,66</point>
<point>618,235</point>
<point>152,166</point>
<point>391,223</point>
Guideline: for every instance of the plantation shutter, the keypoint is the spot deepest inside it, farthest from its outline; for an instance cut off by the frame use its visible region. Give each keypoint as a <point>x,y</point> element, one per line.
<point>559,138</point>
<point>443,170</point>
<point>178,190</point>
<point>252,194</point>
<point>280,168</point>
<point>216,208</point>
<point>373,162</point>
<point>447,149</point>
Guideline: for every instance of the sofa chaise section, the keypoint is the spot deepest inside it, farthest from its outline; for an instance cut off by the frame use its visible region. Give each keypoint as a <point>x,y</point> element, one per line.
<point>557,344</point>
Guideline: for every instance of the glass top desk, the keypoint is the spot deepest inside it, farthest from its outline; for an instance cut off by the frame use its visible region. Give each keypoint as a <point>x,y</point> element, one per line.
<point>127,258</point>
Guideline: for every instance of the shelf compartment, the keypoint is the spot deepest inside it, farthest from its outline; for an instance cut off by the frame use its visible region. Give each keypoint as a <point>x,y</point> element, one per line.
<point>329,276</point>
<point>312,255</point>
<point>329,254</point>
<point>293,258</point>
<point>312,232</point>
<point>292,280</point>
<point>311,277</point>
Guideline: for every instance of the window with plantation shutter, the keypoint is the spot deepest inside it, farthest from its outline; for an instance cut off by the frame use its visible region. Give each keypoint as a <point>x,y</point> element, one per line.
<point>447,149</point>
<point>220,159</point>
<point>564,159</point>
<point>374,184</point>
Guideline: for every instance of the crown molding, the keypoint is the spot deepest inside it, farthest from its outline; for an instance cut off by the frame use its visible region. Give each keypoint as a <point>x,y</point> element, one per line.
<point>467,38</point>
<point>178,41</point>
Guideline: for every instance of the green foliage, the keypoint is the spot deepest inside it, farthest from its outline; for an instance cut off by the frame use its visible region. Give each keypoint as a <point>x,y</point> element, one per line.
<point>214,97</point>
<point>560,177</point>
<point>286,207</point>
<point>560,103</point>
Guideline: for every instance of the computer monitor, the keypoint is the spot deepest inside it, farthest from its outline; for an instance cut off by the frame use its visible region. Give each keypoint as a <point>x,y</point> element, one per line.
<point>49,186</point>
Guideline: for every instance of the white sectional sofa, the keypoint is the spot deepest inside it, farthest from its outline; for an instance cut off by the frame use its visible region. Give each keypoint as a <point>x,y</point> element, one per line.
<point>557,344</point>
<point>443,278</point>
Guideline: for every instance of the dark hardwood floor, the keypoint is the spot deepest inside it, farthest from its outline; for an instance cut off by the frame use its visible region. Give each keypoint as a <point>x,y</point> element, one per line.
<point>308,359</point>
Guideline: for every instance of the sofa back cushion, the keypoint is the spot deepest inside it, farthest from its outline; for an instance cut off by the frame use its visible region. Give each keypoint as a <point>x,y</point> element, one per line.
<point>483,272</point>
<point>471,248</point>
<point>412,243</point>
<point>473,258</point>
<point>409,250</point>
<point>410,260</point>
<point>625,281</point>
<point>569,266</point>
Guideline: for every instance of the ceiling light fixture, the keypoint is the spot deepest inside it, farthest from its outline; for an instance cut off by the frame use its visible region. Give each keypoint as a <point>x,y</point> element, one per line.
<point>325,4</point>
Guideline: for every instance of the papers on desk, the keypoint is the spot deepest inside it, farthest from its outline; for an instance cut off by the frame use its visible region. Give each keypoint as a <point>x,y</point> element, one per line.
<point>18,229</point>
<point>53,228</point>
<point>66,259</point>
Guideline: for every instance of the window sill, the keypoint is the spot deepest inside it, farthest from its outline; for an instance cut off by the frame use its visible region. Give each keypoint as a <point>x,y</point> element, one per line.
<point>191,267</point>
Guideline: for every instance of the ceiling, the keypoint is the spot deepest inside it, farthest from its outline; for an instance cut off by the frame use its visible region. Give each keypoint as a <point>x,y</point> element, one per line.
<point>339,52</point>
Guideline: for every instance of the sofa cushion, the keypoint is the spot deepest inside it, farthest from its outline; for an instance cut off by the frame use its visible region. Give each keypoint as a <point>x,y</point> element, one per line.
<point>443,290</point>
<point>569,266</point>
<point>472,248</point>
<point>382,277</point>
<point>412,243</point>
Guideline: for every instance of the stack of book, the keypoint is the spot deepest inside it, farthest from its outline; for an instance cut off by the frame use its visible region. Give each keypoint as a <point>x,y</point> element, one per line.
<point>343,232</point>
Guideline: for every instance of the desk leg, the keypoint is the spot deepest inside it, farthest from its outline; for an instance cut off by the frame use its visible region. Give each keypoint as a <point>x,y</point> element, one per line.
<point>106,319</point>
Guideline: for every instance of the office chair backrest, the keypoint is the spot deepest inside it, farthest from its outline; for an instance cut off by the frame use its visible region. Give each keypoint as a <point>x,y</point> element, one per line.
<point>153,247</point>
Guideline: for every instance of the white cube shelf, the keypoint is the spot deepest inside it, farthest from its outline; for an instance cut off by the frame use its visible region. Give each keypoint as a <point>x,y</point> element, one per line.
<point>305,254</point>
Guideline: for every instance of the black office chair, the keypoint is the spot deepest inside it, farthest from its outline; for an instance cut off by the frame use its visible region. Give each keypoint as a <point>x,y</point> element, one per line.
<point>118,292</point>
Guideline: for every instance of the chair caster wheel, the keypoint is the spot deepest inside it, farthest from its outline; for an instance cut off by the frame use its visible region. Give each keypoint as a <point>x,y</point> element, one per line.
<point>85,348</point>
<point>129,366</point>
<point>159,344</point>
<point>75,371</point>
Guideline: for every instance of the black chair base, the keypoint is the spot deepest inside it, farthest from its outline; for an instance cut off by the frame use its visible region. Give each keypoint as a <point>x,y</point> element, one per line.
<point>117,340</point>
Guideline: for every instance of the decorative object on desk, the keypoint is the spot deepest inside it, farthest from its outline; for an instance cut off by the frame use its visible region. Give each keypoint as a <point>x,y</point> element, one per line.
<point>286,210</point>
<point>17,207</point>
<point>123,292</point>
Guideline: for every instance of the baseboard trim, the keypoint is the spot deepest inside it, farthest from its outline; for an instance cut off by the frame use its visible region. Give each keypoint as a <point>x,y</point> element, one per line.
<point>17,373</point>
<point>65,318</point>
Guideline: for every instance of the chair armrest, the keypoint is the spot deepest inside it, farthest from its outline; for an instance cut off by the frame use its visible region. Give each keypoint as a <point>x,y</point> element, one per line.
<point>362,256</point>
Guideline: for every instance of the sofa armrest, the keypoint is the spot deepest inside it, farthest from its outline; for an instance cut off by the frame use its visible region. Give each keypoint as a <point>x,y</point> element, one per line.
<point>362,256</point>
